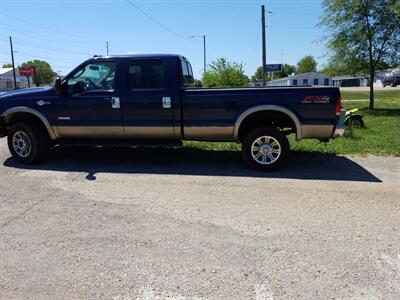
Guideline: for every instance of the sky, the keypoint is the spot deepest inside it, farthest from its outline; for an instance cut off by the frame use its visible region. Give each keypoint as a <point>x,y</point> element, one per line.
<point>67,32</point>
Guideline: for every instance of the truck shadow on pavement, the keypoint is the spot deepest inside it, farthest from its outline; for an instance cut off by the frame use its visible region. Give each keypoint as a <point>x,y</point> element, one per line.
<point>186,161</point>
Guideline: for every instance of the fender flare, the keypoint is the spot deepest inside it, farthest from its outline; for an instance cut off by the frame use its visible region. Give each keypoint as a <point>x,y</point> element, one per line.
<point>23,109</point>
<point>260,108</point>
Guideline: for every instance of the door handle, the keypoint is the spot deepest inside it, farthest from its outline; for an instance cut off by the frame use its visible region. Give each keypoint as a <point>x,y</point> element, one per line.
<point>166,102</point>
<point>115,102</point>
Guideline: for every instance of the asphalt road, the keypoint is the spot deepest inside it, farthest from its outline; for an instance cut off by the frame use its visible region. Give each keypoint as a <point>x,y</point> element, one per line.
<point>165,224</point>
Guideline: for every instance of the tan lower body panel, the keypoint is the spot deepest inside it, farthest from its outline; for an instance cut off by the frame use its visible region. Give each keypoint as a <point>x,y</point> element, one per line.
<point>149,132</point>
<point>316,131</point>
<point>132,132</point>
<point>209,133</point>
<point>90,132</point>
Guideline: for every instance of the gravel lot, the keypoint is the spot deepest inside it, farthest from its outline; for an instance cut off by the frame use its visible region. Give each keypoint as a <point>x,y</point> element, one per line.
<point>185,224</point>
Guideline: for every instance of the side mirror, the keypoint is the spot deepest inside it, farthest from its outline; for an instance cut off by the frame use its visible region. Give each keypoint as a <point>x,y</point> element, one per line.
<point>59,87</point>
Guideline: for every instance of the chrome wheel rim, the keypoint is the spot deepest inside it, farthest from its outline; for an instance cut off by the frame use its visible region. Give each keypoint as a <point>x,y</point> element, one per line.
<point>22,144</point>
<point>266,150</point>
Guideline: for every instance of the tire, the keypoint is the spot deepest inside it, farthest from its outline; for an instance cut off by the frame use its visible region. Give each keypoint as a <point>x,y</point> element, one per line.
<point>269,140</point>
<point>355,122</point>
<point>28,142</point>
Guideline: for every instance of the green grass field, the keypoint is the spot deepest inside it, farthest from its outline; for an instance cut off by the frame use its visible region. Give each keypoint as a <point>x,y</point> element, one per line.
<point>380,137</point>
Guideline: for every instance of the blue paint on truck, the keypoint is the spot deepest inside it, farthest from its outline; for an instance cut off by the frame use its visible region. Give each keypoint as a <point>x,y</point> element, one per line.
<point>151,98</point>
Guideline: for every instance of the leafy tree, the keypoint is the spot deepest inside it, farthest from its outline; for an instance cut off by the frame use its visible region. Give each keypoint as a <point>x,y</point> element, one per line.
<point>306,64</point>
<point>286,71</point>
<point>363,36</point>
<point>44,73</point>
<point>7,66</point>
<point>257,77</point>
<point>223,73</point>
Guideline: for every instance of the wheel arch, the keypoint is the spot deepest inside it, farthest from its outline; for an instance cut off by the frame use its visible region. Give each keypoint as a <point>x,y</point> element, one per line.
<point>22,112</point>
<point>267,108</point>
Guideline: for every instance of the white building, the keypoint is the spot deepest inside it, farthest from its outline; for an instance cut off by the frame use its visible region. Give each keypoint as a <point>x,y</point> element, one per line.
<point>312,78</point>
<point>7,79</point>
<point>349,81</point>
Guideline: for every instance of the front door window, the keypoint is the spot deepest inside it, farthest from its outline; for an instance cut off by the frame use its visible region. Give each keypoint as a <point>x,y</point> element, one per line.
<point>94,76</point>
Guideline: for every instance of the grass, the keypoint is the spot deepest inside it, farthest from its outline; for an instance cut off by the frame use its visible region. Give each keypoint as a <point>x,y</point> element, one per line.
<point>380,137</point>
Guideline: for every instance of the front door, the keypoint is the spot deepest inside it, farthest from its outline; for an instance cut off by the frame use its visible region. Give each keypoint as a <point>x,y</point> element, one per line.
<point>148,111</point>
<point>92,106</point>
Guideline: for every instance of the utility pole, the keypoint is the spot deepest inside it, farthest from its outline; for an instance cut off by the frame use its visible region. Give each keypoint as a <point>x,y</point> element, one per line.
<point>107,48</point>
<point>204,50</point>
<point>13,65</point>
<point>264,59</point>
<point>204,53</point>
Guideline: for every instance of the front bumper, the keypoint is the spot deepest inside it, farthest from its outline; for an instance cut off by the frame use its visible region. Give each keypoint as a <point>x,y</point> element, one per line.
<point>339,129</point>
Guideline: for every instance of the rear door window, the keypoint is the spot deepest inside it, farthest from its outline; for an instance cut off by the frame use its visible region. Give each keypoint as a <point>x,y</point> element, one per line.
<point>146,74</point>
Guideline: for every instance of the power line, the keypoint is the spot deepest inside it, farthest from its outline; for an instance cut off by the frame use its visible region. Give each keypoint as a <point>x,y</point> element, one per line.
<point>45,47</point>
<point>54,30</point>
<point>37,46</point>
<point>34,35</point>
<point>155,21</point>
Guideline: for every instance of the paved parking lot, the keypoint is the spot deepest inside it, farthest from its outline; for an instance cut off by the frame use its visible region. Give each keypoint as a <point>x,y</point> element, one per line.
<point>184,224</point>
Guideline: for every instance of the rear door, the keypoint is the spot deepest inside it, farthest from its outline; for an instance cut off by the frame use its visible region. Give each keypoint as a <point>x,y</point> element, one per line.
<point>148,103</point>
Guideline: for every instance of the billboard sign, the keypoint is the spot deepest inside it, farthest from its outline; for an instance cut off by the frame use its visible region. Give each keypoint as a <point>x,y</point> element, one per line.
<point>27,71</point>
<point>274,68</point>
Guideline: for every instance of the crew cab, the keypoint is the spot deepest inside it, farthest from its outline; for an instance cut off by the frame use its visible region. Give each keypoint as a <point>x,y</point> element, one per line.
<point>151,99</point>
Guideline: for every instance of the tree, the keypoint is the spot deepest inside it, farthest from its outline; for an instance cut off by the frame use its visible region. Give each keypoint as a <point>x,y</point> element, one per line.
<point>257,77</point>
<point>44,73</point>
<point>306,64</point>
<point>222,73</point>
<point>363,36</point>
<point>7,66</point>
<point>286,71</point>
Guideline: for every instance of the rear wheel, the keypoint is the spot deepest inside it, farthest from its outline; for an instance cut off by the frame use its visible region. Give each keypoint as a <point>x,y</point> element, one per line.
<point>356,122</point>
<point>265,149</point>
<point>28,142</point>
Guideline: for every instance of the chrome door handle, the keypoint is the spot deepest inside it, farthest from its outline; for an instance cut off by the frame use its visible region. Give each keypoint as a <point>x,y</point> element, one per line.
<point>166,102</point>
<point>115,102</point>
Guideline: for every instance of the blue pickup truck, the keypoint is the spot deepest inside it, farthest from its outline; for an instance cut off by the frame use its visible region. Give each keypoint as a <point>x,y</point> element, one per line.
<point>151,99</point>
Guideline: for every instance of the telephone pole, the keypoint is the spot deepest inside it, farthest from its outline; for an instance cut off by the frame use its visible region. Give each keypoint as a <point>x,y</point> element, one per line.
<point>107,48</point>
<point>13,65</point>
<point>204,52</point>
<point>264,59</point>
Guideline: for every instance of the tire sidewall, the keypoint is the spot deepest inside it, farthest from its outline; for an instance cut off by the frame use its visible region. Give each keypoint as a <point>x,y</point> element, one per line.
<point>265,131</point>
<point>34,140</point>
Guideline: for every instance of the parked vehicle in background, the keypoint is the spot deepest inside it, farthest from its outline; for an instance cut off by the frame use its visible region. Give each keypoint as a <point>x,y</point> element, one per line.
<point>392,81</point>
<point>150,99</point>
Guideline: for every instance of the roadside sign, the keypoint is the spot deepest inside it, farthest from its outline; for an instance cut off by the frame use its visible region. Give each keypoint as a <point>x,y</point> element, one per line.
<point>27,71</point>
<point>274,68</point>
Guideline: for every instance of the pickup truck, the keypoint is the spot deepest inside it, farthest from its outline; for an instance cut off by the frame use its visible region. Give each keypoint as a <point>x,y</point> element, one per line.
<point>150,99</point>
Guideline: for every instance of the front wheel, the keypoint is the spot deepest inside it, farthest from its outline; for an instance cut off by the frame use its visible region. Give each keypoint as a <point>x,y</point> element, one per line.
<point>27,142</point>
<point>265,149</point>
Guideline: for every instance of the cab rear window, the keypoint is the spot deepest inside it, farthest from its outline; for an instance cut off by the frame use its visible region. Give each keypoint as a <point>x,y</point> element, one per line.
<point>187,74</point>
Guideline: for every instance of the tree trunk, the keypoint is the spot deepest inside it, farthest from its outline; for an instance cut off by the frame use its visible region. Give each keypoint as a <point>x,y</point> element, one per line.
<point>371,88</point>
